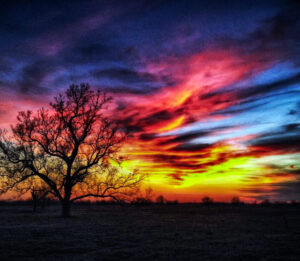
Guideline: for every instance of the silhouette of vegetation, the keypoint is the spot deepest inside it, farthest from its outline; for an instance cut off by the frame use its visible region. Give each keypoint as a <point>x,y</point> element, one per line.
<point>39,195</point>
<point>160,200</point>
<point>69,148</point>
<point>149,194</point>
<point>266,202</point>
<point>173,202</point>
<point>236,201</point>
<point>207,201</point>
<point>142,201</point>
<point>145,197</point>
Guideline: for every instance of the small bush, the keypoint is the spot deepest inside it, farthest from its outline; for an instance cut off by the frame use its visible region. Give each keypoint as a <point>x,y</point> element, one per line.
<point>207,200</point>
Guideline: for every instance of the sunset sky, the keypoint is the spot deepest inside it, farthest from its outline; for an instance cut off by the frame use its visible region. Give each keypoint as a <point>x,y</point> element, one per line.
<point>209,91</point>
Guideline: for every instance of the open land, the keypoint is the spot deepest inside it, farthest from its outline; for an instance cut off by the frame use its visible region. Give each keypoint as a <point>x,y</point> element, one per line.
<point>155,232</point>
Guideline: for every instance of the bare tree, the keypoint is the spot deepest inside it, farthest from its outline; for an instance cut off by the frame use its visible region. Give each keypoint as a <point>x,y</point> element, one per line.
<point>69,147</point>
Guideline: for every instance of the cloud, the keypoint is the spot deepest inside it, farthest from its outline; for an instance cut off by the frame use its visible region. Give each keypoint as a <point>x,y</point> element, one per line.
<point>274,38</point>
<point>186,137</point>
<point>283,181</point>
<point>267,88</point>
<point>32,77</point>
<point>247,96</point>
<point>125,75</point>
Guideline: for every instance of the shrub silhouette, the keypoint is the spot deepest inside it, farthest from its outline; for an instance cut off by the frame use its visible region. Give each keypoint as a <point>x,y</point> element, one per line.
<point>207,201</point>
<point>235,201</point>
<point>160,200</point>
<point>265,202</point>
<point>144,197</point>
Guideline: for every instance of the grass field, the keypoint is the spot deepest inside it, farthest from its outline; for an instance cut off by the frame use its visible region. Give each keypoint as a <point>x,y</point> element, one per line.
<point>174,232</point>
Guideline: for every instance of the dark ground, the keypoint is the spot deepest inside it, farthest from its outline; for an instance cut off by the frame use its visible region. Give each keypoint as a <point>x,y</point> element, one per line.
<point>175,232</point>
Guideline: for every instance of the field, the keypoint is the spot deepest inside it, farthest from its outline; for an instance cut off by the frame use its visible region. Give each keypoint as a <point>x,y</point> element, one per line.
<point>166,232</point>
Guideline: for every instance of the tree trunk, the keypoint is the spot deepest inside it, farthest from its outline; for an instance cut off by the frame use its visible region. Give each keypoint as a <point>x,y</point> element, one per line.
<point>34,205</point>
<point>66,208</point>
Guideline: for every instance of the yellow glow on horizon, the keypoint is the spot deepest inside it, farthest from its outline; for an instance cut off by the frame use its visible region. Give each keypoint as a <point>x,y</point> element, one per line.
<point>219,172</point>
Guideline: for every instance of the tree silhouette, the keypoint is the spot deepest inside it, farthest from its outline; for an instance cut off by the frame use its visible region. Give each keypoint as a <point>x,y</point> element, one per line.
<point>144,197</point>
<point>207,201</point>
<point>38,194</point>
<point>235,200</point>
<point>69,148</point>
<point>160,200</point>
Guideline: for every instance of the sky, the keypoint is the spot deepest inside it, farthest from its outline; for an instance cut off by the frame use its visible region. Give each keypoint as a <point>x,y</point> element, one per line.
<point>208,91</point>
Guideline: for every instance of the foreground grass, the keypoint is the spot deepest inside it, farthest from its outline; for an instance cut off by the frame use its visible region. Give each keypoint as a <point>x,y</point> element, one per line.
<point>179,232</point>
